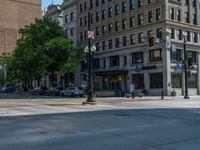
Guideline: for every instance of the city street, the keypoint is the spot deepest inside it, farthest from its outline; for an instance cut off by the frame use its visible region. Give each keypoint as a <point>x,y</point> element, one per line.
<point>44,123</point>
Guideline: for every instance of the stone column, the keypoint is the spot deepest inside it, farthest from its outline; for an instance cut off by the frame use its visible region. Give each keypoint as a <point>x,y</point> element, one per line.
<point>166,71</point>
<point>146,74</point>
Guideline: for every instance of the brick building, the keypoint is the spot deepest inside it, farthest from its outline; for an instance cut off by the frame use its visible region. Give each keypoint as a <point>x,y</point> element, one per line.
<point>15,14</point>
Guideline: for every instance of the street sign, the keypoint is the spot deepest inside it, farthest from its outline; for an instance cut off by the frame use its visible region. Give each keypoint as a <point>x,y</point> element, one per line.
<point>90,34</point>
<point>178,67</point>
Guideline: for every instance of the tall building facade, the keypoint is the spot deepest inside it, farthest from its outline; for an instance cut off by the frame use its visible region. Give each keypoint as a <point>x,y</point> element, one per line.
<point>136,41</point>
<point>15,14</point>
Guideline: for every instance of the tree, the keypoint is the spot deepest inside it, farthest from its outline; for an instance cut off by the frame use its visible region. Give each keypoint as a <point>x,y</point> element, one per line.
<point>42,48</point>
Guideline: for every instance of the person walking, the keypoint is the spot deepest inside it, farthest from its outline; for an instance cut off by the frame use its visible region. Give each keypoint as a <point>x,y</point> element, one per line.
<point>132,90</point>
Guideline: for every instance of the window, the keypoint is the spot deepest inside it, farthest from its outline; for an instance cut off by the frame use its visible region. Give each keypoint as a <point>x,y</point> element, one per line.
<point>158,14</point>
<point>140,3</point>
<point>192,81</point>
<point>66,18</point>
<point>187,18</point>
<point>188,36</point>
<point>172,13</point>
<point>175,55</point>
<point>96,63</point>
<point>176,79</point>
<point>85,20</point>
<point>117,42</point>
<point>97,31</point>
<point>110,27</point>
<point>125,60</point>
<point>114,61</point>
<point>132,21</point>
<point>110,12</point>
<point>97,46</point>
<point>117,9</point>
<point>85,6</point>
<point>141,37</point>
<point>124,41</point>
<point>97,16</point>
<point>195,37</point>
<point>159,33</point>
<point>194,19</point>
<point>117,26</point>
<point>155,55</point>
<point>137,57</point>
<point>103,45</point>
<point>81,7</point>
<point>156,80</point>
<point>97,3</point>
<point>103,30</point>
<point>179,34</point>
<point>193,55</point>
<point>172,33</point>
<point>110,44</point>
<point>140,19</point>
<point>138,79</point>
<point>72,16</point>
<point>103,14</point>
<point>150,16</point>
<point>132,4</point>
<point>124,7</point>
<point>124,23</point>
<point>81,22</point>
<point>178,15</point>
<point>132,39</point>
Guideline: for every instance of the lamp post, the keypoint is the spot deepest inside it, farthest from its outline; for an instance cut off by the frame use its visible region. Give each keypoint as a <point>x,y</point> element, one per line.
<point>89,50</point>
<point>185,66</point>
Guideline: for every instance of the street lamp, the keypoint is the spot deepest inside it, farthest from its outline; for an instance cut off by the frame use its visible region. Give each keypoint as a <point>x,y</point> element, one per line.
<point>90,92</point>
<point>89,50</point>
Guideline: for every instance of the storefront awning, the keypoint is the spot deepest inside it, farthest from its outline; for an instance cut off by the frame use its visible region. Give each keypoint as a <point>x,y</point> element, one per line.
<point>111,72</point>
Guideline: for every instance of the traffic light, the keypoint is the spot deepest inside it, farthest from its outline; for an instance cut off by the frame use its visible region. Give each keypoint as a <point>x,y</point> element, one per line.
<point>190,62</point>
<point>151,41</point>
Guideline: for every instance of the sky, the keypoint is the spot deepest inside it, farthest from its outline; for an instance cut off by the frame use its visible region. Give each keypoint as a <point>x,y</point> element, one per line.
<point>45,3</point>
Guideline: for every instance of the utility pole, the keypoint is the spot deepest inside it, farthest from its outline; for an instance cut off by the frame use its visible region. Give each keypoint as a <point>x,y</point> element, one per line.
<point>185,69</point>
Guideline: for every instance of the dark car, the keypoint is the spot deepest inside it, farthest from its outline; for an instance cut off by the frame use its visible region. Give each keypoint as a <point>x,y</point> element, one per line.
<point>8,89</point>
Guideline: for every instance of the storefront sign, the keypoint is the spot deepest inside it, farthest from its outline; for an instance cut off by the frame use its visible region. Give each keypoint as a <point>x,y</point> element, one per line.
<point>139,68</point>
<point>178,67</point>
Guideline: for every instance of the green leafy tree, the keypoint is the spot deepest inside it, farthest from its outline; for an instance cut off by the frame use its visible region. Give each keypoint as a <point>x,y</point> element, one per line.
<point>42,48</point>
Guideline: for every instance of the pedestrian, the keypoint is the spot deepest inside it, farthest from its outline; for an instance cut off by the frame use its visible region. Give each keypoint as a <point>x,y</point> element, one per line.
<point>132,90</point>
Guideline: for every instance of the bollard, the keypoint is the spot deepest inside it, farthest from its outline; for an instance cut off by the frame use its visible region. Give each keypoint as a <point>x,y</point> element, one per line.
<point>162,95</point>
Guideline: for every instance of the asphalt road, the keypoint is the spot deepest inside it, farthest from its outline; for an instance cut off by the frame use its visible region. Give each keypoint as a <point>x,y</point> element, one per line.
<point>146,125</point>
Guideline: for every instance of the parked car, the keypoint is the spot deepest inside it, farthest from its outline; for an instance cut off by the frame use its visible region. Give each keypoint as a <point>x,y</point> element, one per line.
<point>8,89</point>
<point>73,91</point>
<point>55,91</point>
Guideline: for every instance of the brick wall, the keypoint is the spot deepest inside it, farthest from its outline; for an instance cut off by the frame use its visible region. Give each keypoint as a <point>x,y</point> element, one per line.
<point>15,14</point>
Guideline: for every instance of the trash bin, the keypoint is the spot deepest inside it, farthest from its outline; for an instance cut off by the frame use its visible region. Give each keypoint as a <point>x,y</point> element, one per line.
<point>173,93</point>
<point>117,93</point>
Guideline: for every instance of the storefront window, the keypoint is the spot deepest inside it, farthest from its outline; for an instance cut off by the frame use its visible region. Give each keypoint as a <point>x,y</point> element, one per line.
<point>175,56</point>
<point>176,79</point>
<point>138,79</point>
<point>156,80</point>
<point>192,81</point>
<point>193,55</point>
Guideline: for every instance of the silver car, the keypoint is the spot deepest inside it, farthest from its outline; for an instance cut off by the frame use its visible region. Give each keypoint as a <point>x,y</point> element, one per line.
<point>72,91</point>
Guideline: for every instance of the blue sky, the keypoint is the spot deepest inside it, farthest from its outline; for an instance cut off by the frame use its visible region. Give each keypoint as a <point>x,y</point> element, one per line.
<point>45,3</point>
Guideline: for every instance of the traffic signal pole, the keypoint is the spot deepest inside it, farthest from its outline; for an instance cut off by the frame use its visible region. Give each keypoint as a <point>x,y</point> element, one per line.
<point>185,69</point>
